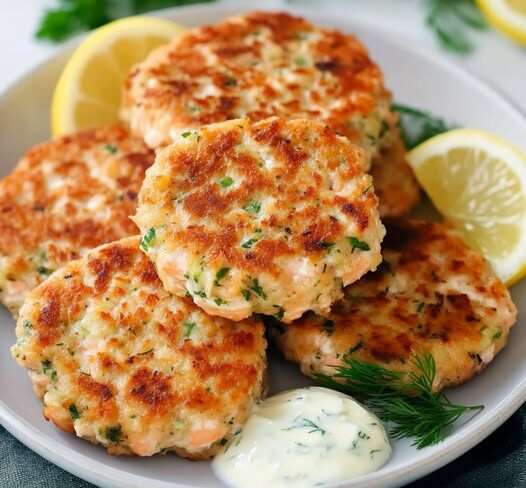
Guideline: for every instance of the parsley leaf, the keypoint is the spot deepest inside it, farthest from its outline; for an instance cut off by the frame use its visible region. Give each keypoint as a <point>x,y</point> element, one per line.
<point>220,275</point>
<point>451,20</point>
<point>147,239</point>
<point>417,126</point>
<point>252,207</point>
<point>113,434</point>
<point>226,181</point>
<point>69,17</point>
<point>256,288</point>
<point>358,244</point>
<point>189,327</point>
<point>74,412</point>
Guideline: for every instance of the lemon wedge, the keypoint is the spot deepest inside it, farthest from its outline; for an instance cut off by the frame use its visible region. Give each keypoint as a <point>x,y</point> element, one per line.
<point>478,182</point>
<point>508,16</point>
<point>88,93</point>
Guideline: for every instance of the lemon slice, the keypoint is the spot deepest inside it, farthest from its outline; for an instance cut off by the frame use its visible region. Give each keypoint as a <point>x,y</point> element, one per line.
<point>508,16</point>
<point>478,182</point>
<point>88,93</point>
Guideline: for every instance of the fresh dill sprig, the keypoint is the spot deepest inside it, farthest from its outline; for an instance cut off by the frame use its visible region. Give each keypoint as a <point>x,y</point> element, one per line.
<point>70,17</point>
<point>405,400</point>
<point>417,126</point>
<point>451,21</point>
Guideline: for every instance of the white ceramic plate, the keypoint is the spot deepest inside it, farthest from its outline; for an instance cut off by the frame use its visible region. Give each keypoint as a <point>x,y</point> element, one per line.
<point>415,78</point>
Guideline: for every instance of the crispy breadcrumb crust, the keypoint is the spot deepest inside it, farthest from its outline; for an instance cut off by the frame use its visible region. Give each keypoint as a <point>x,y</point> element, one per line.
<point>431,294</point>
<point>121,362</point>
<point>269,217</point>
<point>63,198</point>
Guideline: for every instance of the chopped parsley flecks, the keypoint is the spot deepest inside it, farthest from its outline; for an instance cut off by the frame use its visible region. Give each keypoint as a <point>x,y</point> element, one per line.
<point>73,411</point>
<point>226,181</point>
<point>148,238</point>
<point>252,207</point>
<point>42,270</point>
<point>356,347</point>
<point>27,325</point>
<point>220,301</point>
<point>497,335</point>
<point>188,328</point>
<point>358,244</point>
<point>249,243</point>
<point>193,109</point>
<point>246,294</point>
<point>280,313</point>
<point>230,82</point>
<point>49,370</point>
<point>223,441</point>
<point>220,275</point>
<point>110,148</point>
<point>257,289</point>
<point>326,245</point>
<point>200,293</point>
<point>186,134</point>
<point>420,307</point>
<point>113,433</point>
<point>300,62</point>
<point>328,326</point>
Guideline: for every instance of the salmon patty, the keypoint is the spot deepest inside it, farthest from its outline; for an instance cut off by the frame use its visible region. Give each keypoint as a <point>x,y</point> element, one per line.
<point>122,363</point>
<point>270,217</point>
<point>431,294</point>
<point>268,64</point>
<point>63,198</point>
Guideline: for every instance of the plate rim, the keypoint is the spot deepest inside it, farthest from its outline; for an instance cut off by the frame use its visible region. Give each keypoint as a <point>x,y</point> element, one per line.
<point>480,426</point>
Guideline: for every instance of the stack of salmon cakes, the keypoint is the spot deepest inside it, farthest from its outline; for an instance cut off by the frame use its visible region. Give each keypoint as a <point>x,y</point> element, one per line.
<point>246,185</point>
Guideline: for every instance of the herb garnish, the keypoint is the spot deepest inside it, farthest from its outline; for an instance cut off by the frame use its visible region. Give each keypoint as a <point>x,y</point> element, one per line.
<point>417,126</point>
<point>113,434</point>
<point>302,422</point>
<point>42,270</point>
<point>246,294</point>
<point>189,327</point>
<point>252,207</point>
<point>148,239</point>
<point>220,275</point>
<point>226,181</point>
<point>110,148</point>
<point>358,244</point>
<point>256,288</point>
<point>74,412</point>
<point>72,16</point>
<point>49,370</point>
<point>404,399</point>
<point>450,20</point>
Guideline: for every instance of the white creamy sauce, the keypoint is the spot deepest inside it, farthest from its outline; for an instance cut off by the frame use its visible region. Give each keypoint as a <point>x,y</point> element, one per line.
<point>304,438</point>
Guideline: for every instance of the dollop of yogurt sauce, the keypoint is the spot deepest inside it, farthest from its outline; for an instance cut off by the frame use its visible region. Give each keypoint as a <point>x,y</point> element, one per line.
<point>304,438</point>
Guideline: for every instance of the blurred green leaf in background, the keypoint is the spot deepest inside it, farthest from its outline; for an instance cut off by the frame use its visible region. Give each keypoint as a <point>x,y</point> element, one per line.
<point>452,20</point>
<point>70,17</point>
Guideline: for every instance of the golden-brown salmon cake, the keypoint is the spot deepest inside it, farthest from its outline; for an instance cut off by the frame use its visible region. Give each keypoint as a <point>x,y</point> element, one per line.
<point>431,294</point>
<point>269,217</point>
<point>266,64</point>
<point>120,362</point>
<point>64,197</point>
